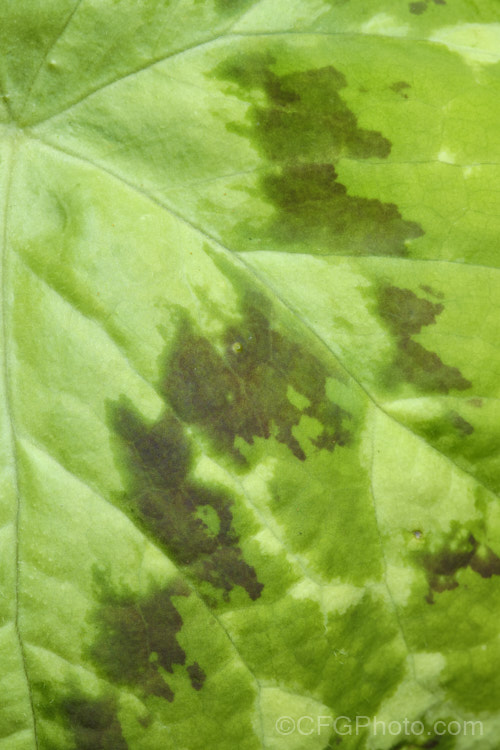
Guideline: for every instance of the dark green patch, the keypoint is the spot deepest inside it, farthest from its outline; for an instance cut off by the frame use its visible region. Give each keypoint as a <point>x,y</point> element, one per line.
<point>230,6</point>
<point>138,636</point>
<point>447,432</point>
<point>241,390</point>
<point>477,402</point>
<point>334,741</point>
<point>169,505</point>
<point>196,675</point>
<point>417,8</point>
<point>92,722</point>
<point>420,7</point>
<point>462,551</point>
<point>303,129</point>
<point>399,87</point>
<point>432,292</point>
<point>373,664</point>
<point>441,742</point>
<point>227,7</point>
<point>460,424</point>
<point>309,198</point>
<point>405,315</point>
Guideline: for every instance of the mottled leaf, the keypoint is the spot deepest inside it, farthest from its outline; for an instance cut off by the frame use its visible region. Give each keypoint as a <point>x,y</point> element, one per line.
<point>249,411</point>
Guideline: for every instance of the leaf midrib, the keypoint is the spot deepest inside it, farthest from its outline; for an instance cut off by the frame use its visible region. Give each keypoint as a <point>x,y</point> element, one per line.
<point>7,387</point>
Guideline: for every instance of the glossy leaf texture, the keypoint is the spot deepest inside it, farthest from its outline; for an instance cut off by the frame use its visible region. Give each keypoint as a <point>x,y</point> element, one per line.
<point>249,409</point>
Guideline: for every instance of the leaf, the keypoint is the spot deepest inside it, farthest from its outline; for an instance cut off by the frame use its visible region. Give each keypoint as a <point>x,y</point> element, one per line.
<point>250,444</point>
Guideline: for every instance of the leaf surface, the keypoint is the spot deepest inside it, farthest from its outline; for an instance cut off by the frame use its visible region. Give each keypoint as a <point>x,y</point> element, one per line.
<point>249,405</point>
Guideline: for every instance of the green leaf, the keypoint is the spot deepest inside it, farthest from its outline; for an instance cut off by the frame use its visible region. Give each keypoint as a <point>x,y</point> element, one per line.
<point>250,396</point>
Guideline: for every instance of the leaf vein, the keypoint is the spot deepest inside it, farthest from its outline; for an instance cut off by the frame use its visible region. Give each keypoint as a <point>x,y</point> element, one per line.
<point>45,57</point>
<point>222,37</point>
<point>7,388</point>
<point>238,258</point>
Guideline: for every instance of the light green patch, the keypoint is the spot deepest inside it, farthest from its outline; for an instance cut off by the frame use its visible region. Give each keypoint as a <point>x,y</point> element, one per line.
<point>384,23</point>
<point>475,42</point>
<point>294,722</point>
<point>446,156</point>
<point>333,597</point>
<point>297,399</point>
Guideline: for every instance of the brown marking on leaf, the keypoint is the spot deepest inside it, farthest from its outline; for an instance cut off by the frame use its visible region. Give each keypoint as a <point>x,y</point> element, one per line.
<point>138,636</point>
<point>303,129</point>
<point>196,675</point>
<point>443,565</point>
<point>243,392</point>
<point>405,315</point>
<point>191,520</point>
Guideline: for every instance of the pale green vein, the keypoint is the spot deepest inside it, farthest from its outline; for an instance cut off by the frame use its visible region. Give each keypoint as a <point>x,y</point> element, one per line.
<point>444,261</point>
<point>223,34</point>
<point>381,259</point>
<point>442,397</point>
<point>131,74</point>
<point>46,55</point>
<point>210,180</point>
<point>8,390</point>
<point>409,162</point>
<point>223,37</point>
<point>237,258</point>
